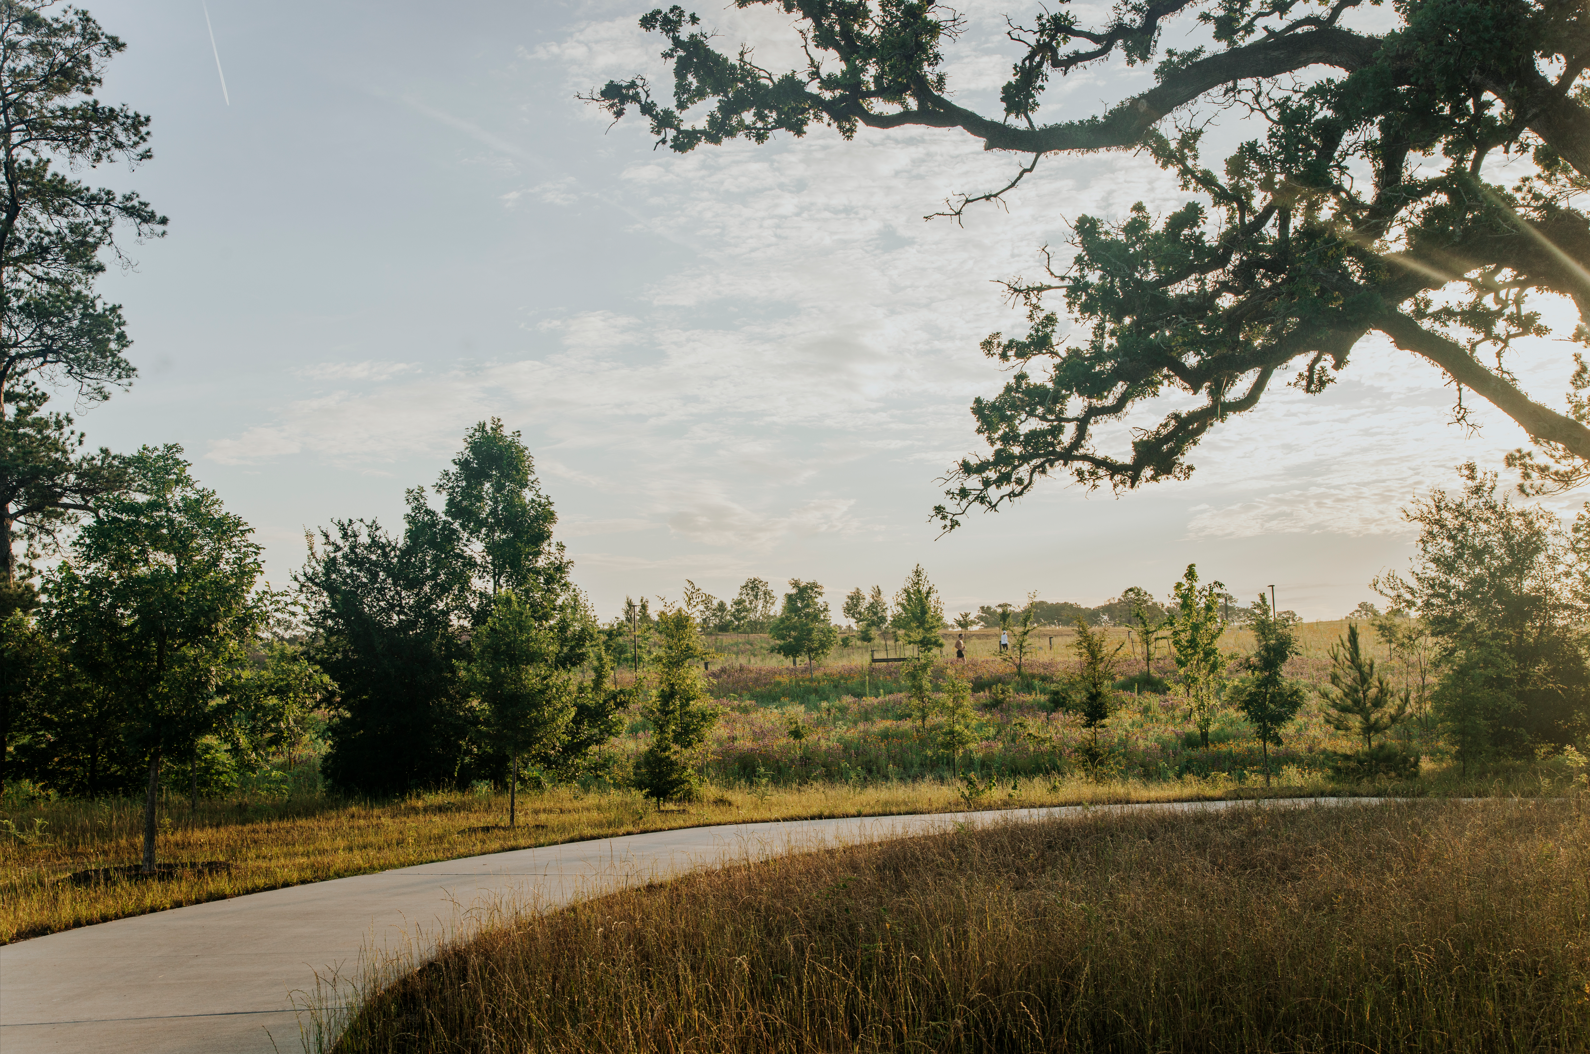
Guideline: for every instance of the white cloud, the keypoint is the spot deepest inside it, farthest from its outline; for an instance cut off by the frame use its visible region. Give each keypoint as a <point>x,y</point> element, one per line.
<point>369,370</point>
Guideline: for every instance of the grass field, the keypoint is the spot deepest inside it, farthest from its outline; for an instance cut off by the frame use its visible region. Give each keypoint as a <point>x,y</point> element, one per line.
<point>274,844</point>
<point>1420,926</point>
<point>269,844</point>
<point>787,746</point>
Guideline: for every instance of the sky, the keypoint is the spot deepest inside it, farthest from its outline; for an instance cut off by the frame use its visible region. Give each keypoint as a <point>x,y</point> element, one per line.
<point>397,220</point>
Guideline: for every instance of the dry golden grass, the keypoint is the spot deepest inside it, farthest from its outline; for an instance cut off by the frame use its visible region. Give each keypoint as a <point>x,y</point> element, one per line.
<point>1423,926</point>
<point>289,843</point>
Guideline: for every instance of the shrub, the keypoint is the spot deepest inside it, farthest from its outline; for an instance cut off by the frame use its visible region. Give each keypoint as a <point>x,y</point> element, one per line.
<point>1382,761</point>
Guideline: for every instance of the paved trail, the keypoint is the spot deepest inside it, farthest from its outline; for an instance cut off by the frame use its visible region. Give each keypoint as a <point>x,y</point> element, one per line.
<point>234,975</point>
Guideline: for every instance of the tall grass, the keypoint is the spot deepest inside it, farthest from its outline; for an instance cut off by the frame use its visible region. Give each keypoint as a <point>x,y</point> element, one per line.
<point>283,843</point>
<point>1427,926</point>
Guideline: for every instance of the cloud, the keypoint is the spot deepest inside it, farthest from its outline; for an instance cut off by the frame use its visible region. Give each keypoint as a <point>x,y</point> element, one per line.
<point>785,339</point>
<point>369,370</point>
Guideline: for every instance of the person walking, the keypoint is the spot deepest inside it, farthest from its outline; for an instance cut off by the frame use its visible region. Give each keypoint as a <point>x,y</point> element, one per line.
<point>960,648</point>
<point>1004,640</point>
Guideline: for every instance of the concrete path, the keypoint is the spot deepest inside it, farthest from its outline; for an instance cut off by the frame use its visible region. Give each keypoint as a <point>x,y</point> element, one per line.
<point>237,975</point>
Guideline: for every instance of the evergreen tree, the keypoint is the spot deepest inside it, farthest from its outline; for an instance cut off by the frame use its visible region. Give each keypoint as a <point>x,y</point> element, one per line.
<point>919,612</point>
<point>1361,702</point>
<point>525,665</point>
<point>919,701</point>
<point>956,719</point>
<point>386,614</point>
<point>1091,694</point>
<point>680,711</point>
<point>54,328</point>
<point>1267,697</point>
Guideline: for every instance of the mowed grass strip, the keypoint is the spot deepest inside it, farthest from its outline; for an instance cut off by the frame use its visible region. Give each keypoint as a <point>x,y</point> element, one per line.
<point>1421,926</point>
<point>273,844</point>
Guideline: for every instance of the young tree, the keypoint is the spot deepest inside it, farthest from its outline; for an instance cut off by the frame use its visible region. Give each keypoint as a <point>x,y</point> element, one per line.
<point>752,608</point>
<point>494,501</point>
<point>680,711</point>
<point>1020,638</point>
<point>957,729</point>
<point>1149,618</point>
<point>1471,701</point>
<point>965,621</point>
<point>1503,585</point>
<point>804,627</point>
<point>1408,641</point>
<point>919,612</point>
<point>1360,700</point>
<point>875,615</point>
<point>1218,298</point>
<point>280,690</point>
<point>1195,630</point>
<point>1267,696</point>
<point>165,579</point>
<point>524,666</point>
<point>1091,693</point>
<point>855,610</point>
<point>919,701</point>
<point>638,626</point>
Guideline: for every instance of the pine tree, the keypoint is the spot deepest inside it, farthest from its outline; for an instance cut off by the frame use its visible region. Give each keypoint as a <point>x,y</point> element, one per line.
<point>956,732</point>
<point>1361,701</point>
<point>1091,693</point>
<point>680,712</point>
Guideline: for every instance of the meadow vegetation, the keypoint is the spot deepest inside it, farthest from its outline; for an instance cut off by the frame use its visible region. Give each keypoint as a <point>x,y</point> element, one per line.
<point>1413,926</point>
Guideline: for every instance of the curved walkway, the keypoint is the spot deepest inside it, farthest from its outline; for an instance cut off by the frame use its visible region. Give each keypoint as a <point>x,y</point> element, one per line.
<point>237,975</point>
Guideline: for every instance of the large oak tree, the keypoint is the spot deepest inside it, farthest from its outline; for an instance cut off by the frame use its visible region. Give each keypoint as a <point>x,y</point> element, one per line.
<point>1369,203</point>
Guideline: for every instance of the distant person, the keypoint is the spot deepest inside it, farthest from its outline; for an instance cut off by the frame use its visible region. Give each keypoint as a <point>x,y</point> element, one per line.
<point>1004,640</point>
<point>960,648</point>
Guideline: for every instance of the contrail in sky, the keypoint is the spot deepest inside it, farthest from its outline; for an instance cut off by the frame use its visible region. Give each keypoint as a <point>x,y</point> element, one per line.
<point>217,51</point>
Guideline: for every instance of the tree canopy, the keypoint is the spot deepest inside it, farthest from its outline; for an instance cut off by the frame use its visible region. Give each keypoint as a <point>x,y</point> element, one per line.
<point>1372,200</point>
<point>160,599</point>
<point>54,328</point>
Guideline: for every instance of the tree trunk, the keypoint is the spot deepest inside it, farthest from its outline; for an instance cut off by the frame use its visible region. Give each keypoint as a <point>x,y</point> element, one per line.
<point>193,787</point>
<point>1264,744</point>
<point>5,533</point>
<point>150,798</point>
<point>513,792</point>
